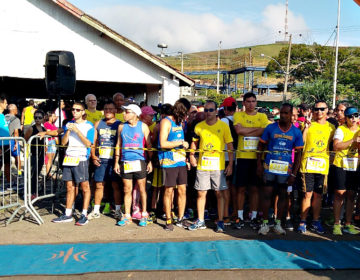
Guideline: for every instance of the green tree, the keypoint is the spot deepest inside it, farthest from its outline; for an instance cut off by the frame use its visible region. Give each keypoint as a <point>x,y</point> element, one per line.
<point>311,91</point>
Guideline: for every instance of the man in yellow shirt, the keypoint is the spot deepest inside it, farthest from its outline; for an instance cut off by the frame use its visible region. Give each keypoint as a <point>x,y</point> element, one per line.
<point>249,125</point>
<point>92,115</point>
<point>314,167</point>
<point>119,100</point>
<point>211,173</point>
<point>27,116</point>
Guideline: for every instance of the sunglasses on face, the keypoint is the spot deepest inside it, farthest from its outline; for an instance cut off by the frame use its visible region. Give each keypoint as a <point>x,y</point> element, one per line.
<point>355,115</point>
<point>76,110</point>
<point>322,109</point>
<point>38,117</point>
<point>209,110</point>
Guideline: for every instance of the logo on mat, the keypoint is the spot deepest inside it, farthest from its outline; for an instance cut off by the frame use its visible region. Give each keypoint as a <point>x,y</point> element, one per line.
<point>66,255</point>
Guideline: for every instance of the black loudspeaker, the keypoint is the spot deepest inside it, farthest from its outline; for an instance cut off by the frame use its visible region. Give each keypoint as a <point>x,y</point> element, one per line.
<point>60,75</point>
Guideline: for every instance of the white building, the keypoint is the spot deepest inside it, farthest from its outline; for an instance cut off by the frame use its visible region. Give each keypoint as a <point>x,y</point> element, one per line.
<point>106,62</point>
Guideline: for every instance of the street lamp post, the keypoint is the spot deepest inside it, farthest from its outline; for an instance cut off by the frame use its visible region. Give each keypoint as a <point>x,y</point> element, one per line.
<point>218,72</point>
<point>287,69</point>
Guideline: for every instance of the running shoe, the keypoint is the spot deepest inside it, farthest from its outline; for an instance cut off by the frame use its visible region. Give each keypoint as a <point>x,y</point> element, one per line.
<point>227,221</point>
<point>124,221</point>
<point>63,219</point>
<point>174,217</point>
<point>169,225</point>
<point>289,225</point>
<point>254,224</point>
<point>82,221</point>
<point>118,215</point>
<point>143,221</point>
<point>278,228</point>
<point>189,214</point>
<point>106,210</point>
<point>197,225</point>
<point>152,217</point>
<point>264,229</point>
<point>93,215</point>
<point>183,223</point>
<point>317,227</point>
<point>136,216</point>
<point>239,223</point>
<point>220,227</point>
<point>350,229</point>
<point>302,227</point>
<point>337,229</point>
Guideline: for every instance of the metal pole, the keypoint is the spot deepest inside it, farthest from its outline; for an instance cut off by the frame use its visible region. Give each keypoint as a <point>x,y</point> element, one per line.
<point>287,70</point>
<point>336,56</point>
<point>182,62</point>
<point>218,72</point>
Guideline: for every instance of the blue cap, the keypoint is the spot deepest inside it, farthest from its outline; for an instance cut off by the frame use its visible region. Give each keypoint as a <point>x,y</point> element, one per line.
<point>350,110</point>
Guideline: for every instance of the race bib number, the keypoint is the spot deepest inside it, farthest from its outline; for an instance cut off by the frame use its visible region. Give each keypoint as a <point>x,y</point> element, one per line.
<point>316,164</point>
<point>71,161</point>
<point>210,163</point>
<point>179,156</point>
<point>251,143</point>
<point>132,166</point>
<point>278,167</point>
<point>350,164</point>
<point>106,152</point>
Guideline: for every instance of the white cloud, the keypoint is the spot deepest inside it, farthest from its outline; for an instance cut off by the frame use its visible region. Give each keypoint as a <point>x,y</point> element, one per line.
<point>188,32</point>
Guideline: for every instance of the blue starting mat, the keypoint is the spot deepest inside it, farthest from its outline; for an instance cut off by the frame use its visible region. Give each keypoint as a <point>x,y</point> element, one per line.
<point>57,259</point>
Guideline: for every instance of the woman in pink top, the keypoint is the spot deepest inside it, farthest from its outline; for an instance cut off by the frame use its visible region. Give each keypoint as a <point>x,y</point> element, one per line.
<point>49,125</point>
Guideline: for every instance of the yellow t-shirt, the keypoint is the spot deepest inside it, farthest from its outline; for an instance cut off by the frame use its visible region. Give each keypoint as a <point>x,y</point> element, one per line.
<point>29,115</point>
<point>347,158</point>
<point>152,126</point>
<point>93,117</point>
<point>315,157</point>
<point>247,143</point>
<point>213,139</point>
<point>120,117</point>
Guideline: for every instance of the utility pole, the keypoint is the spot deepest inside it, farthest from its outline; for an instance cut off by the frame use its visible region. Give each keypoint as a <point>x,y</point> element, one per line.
<point>336,56</point>
<point>286,21</point>
<point>250,74</point>
<point>182,61</point>
<point>287,70</point>
<point>218,72</point>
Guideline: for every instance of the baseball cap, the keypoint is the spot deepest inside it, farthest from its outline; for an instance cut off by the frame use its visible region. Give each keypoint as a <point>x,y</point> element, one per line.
<point>147,110</point>
<point>350,110</point>
<point>228,102</point>
<point>133,107</point>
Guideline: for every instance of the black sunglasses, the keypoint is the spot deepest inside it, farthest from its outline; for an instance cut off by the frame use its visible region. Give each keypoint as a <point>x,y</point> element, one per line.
<point>355,115</point>
<point>209,110</point>
<point>38,118</point>
<point>77,110</point>
<point>322,109</point>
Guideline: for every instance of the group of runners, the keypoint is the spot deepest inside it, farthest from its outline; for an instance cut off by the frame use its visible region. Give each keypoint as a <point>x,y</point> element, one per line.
<point>242,156</point>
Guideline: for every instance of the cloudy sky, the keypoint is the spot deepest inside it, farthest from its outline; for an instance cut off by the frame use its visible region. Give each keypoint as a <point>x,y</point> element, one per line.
<point>199,25</point>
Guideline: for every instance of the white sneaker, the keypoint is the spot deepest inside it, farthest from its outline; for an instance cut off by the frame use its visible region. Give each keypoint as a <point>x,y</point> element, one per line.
<point>278,229</point>
<point>93,215</point>
<point>264,229</point>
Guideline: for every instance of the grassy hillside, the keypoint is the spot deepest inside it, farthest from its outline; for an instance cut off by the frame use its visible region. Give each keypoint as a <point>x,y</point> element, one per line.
<point>230,58</point>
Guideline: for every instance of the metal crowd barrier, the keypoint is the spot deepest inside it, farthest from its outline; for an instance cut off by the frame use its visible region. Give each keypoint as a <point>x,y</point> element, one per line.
<point>42,184</point>
<point>14,182</point>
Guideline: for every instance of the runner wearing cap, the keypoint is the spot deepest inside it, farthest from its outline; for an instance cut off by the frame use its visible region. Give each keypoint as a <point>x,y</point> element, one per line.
<point>132,166</point>
<point>346,162</point>
<point>317,136</point>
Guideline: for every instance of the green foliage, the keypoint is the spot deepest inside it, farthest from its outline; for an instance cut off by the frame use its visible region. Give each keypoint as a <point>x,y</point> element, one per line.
<point>312,91</point>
